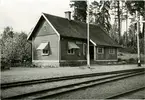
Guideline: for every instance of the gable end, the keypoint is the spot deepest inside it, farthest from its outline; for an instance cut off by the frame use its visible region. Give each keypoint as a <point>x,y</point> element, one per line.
<point>44,25</point>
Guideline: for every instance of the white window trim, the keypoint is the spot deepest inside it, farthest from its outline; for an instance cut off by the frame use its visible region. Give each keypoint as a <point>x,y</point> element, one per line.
<point>71,53</point>
<point>102,50</point>
<point>44,54</point>
<point>84,48</point>
<point>110,51</point>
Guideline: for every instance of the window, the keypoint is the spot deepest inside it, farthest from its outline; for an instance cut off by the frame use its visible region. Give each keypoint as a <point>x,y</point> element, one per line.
<point>45,51</point>
<point>111,51</point>
<point>71,51</point>
<point>84,48</point>
<point>44,47</point>
<point>100,50</point>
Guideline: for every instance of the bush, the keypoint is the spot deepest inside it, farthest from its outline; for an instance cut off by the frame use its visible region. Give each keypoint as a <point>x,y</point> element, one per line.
<point>73,63</point>
<point>4,65</point>
<point>132,61</point>
<point>119,59</point>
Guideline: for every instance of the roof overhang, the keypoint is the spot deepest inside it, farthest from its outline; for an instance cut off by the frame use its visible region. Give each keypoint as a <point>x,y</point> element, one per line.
<point>42,15</point>
<point>93,42</point>
<point>29,35</point>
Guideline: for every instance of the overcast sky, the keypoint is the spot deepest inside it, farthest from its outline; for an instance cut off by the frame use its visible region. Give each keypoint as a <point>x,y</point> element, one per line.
<point>22,15</point>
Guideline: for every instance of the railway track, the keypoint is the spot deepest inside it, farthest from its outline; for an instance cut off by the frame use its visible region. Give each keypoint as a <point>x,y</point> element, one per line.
<point>48,92</point>
<point>125,93</point>
<point>24,83</point>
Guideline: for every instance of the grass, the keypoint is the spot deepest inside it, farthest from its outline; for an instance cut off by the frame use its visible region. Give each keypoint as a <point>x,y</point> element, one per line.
<point>129,57</point>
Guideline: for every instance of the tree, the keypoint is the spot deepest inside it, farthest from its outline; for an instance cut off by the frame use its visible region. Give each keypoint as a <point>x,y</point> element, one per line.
<point>23,47</point>
<point>7,43</point>
<point>114,32</point>
<point>14,47</point>
<point>80,8</point>
<point>100,14</point>
<point>138,6</point>
<point>117,9</point>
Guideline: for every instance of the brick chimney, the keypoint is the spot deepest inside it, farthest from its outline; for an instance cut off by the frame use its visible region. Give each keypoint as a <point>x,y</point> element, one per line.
<point>68,15</point>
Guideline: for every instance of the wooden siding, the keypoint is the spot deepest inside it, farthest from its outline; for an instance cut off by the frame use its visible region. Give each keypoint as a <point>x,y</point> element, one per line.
<point>53,43</point>
<point>44,29</point>
<point>64,48</point>
<point>106,55</point>
<point>45,33</point>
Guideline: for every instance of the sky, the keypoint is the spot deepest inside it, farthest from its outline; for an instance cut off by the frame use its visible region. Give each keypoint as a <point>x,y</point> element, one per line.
<point>22,15</point>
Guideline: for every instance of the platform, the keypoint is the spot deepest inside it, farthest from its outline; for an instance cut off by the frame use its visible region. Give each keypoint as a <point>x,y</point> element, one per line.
<point>22,74</point>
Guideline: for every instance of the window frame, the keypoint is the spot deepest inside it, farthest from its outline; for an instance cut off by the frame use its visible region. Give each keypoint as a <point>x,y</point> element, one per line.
<point>44,54</point>
<point>71,53</point>
<point>113,49</point>
<point>102,50</point>
<point>84,48</point>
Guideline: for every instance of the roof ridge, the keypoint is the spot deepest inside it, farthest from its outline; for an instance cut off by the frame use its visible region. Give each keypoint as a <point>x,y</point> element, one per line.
<point>71,20</point>
<point>60,23</point>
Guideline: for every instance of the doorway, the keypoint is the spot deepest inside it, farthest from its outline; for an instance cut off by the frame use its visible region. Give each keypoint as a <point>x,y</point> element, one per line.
<point>91,52</point>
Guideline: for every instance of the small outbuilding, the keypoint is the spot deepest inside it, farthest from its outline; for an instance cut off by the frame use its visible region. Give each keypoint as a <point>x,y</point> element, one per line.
<point>58,41</point>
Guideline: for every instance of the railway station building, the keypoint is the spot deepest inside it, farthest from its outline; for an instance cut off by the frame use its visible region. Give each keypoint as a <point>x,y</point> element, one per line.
<point>58,41</point>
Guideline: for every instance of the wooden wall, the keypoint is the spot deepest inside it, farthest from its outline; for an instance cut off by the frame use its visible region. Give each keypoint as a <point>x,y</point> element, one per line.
<point>45,34</point>
<point>64,48</point>
<point>106,55</point>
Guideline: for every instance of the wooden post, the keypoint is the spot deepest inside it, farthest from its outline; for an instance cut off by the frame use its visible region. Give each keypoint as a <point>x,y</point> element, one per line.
<point>88,36</point>
<point>138,47</point>
<point>94,52</point>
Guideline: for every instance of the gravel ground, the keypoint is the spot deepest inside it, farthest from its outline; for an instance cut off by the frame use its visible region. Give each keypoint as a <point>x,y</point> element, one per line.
<point>31,88</point>
<point>21,74</point>
<point>139,94</point>
<point>105,90</point>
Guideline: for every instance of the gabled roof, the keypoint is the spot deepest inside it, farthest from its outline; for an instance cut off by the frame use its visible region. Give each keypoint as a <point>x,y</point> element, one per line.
<point>75,29</point>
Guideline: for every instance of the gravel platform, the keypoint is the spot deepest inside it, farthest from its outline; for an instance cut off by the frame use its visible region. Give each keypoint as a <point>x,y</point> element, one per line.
<point>22,74</point>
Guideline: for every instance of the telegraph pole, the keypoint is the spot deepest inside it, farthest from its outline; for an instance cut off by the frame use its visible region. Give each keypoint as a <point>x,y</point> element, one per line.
<point>138,47</point>
<point>88,31</point>
<point>88,35</point>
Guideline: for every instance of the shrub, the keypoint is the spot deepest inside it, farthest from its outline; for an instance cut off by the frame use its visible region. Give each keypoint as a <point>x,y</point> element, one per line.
<point>119,59</point>
<point>132,61</point>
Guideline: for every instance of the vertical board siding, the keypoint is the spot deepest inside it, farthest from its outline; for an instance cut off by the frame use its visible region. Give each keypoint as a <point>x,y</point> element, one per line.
<point>45,33</point>
<point>76,56</point>
<point>45,29</point>
<point>106,55</point>
<point>53,43</point>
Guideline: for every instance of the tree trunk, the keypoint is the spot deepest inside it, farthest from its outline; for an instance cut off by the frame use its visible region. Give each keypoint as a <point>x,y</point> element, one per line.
<point>119,27</point>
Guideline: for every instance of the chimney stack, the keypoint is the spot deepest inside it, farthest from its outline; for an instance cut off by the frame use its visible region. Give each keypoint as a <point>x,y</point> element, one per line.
<point>68,15</point>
